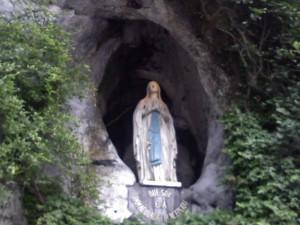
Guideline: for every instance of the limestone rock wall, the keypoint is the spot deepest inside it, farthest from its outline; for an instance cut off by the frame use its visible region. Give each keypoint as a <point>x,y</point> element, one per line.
<point>11,210</point>
<point>196,86</point>
<point>103,27</point>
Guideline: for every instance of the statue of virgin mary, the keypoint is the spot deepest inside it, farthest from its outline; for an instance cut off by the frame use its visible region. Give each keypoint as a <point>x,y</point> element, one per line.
<point>154,142</point>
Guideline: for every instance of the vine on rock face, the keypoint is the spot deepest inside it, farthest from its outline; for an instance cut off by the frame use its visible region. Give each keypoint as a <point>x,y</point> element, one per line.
<point>263,126</point>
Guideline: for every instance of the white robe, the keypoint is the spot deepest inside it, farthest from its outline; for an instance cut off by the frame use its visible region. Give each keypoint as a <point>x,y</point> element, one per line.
<point>166,171</point>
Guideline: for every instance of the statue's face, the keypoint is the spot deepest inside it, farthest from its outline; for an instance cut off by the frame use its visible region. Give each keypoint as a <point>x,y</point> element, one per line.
<point>153,87</point>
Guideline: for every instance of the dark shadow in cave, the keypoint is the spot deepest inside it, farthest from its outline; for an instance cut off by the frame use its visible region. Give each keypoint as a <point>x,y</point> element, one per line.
<point>121,89</point>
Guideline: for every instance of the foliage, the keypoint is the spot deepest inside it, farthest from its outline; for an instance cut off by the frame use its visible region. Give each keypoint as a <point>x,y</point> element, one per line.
<point>60,210</point>
<point>265,169</point>
<point>37,147</point>
<point>4,194</point>
<point>257,42</point>
<point>135,221</point>
<point>266,176</point>
<point>215,218</point>
<point>35,81</point>
<point>263,126</point>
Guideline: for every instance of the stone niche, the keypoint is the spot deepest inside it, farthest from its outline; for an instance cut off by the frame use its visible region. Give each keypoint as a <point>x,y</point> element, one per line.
<point>126,47</point>
<point>149,53</point>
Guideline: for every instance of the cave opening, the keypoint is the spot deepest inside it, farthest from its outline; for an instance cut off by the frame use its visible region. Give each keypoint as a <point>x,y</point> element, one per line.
<point>148,52</point>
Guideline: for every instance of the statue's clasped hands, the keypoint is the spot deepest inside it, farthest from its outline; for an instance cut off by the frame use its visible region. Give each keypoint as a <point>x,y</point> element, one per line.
<point>148,145</point>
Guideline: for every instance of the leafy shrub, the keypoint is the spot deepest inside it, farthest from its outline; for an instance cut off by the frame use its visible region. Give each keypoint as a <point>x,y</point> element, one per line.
<point>37,76</point>
<point>263,126</point>
<point>265,173</point>
<point>35,80</point>
<point>60,210</point>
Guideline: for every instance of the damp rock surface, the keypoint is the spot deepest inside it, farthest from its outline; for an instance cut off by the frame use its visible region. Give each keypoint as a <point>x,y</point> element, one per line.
<point>127,44</point>
<point>11,209</point>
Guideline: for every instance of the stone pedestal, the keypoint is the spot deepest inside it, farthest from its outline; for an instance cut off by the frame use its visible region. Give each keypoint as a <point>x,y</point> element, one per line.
<point>156,203</point>
<point>162,183</point>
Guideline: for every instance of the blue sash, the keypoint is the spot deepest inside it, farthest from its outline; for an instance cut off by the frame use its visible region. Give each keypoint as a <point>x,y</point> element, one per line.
<point>155,139</point>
